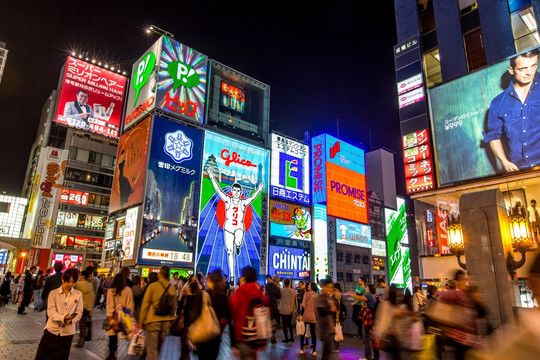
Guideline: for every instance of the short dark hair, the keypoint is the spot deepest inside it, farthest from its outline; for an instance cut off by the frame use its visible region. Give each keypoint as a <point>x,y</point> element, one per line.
<point>33,268</point>
<point>58,267</point>
<point>372,289</point>
<point>287,282</point>
<point>338,286</point>
<point>236,185</point>
<point>327,281</point>
<point>165,271</point>
<point>82,91</point>
<point>529,54</point>
<point>70,273</point>
<point>431,289</point>
<point>249,274</point>
<point>381,280</point>
<point>533,201</point>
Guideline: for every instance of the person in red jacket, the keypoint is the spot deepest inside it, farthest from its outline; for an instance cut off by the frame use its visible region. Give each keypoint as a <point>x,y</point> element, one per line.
<point>240,306</point>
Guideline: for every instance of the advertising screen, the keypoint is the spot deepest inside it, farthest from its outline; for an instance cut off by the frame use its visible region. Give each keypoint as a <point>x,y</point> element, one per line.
<point>128,182</point>
<point>290,170</point>
<point>399,261</point>
<point>130,232</point>
<point>170,214</point>
<point>378,247</point>
<point>142,91</point>
<point>234,180</point>
<point>74,197</point>
<point>46,187</point>
<point>233,98</point>
<point>338,178</point>
<point>290,221</point>
<point>350,233</point>
<point>181,90</point>
<point>481,127</point>
<point>91,98</point>
<point>69,261</point>
<point>418,166</point>
<point>288,262</point>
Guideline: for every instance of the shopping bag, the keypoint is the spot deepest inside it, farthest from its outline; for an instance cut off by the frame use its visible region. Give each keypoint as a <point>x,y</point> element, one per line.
<point>308,332</point>
<point>338,336</point>
<point>206,327</point>
<point>136,345</point>
<point>414,336</point>
<point>300,327</point>
<point>128,320</point>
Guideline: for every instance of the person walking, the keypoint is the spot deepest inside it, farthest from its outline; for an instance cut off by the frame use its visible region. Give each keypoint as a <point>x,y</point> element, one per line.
<point>65,308</point>
<point>5,289</point>
<point>89,298</point>
<point>118,295</point>
<point>28,290</point>
<point>272,291</point>
<point>341,314</point>
<point>308,315</point>
<point>326,316</point>
<point>287,307</point>
<point>157,326</point>
<point>138,295</point>
<point>367,317</point>
<point>53,282</point>
<point>359,289</point>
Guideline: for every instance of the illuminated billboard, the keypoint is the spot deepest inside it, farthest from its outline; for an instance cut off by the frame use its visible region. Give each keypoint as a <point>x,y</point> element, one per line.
<point>287,262</point>
<point>43,206</point>
<point>11,219</point>
<point>418,165</point>
<point>130,169</point>
<point>290,221</point>
<point>91,98</point>
<point>233,98</point>
<point>399,261</point>
<point>170,214</point>
<point>378,247</point>
<point>320,242</point>
<point>338,178</point>
<point>130,232</point>
<point>181,88</point>
<point>354,234</point>
<point>74,197</point>
<point>290,170</point>
<point>481,127</point>
<point>233,189</point>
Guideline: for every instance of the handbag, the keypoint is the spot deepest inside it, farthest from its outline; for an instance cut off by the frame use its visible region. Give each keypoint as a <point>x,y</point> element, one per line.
<point>300,327</point>
<point>452,315</point>
<point>136,345</point>
<point>206,327</point>
<point>339,333</point>
<point>177,326</point>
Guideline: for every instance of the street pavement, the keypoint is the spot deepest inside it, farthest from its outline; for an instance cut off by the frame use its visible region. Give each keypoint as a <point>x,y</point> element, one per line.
<point>20,336</point>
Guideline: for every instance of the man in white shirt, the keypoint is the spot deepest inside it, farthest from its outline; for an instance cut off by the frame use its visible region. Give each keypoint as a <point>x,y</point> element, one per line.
<point>64,308</point>
<point>534,219</point>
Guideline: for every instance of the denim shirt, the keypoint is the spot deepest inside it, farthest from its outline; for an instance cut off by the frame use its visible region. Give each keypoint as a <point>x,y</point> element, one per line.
<point>519,121</point>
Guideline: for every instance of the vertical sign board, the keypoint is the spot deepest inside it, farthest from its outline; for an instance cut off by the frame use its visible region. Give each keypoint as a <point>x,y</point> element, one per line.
<point>290,170</point>
<point>128,182</point>
<point>181,90</point>
<point>418,164</point>
<point>91,98</point>
<point>171,200</point>
<point>130,232</point>
<point>320,241</point>
<point>46,188</point>
<point>142,91</point>
<point>399,261</point>
<point>332,261</point>
<point>234,180</point>
<point>263,263</point>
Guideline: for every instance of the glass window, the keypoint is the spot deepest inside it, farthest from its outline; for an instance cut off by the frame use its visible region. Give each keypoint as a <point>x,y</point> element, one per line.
<point>105,200</point>
<point>349,277</point>
<point>72,153</point>
<point>465,4</point>
<point>474,49</point>
<point>432,67</point>
<point>82,155</point>
<point>357,258</point>
<point>92,157</point>
<point>348,258</point>
<point>426,15</point>
<point>366,260</point>
<point>91,199</point>
<point>107,160</point>
<point>525,29</point>
<point>339,276</point>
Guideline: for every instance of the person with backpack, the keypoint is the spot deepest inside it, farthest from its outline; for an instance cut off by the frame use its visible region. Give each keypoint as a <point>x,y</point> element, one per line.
<point>157,312</point>
<point>241,307</point>
<point>118,295</point>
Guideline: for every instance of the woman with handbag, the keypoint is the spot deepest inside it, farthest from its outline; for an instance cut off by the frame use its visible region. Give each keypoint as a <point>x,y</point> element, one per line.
<point>309,317</point>
<point>118,295</point>
<point>341,315</point>
<point>287,306</point>
<point>190,309</point>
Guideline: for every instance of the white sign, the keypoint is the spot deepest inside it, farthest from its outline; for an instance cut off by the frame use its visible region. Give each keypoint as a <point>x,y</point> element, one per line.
<point>378,248</point>
<point>414,82</point>
<point>166,255</point>
<point>411,97</point>
<point>130,232</point>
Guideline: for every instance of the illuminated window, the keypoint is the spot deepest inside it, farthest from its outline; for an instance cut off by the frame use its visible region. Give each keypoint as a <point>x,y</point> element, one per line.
<point>426,16</point>
<point>525,29</point>
<point>431,62</point>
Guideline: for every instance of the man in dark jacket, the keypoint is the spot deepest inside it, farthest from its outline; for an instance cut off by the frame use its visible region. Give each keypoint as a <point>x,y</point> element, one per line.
<point>326,316</point>
<point>53,282</point>
<point>28,290</point>
<point>272,291</point>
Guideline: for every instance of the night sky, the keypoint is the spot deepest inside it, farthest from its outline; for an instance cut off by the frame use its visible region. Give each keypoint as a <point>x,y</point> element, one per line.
<point>325,64</point>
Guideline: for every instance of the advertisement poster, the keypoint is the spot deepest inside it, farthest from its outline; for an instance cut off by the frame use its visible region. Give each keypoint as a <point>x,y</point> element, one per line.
<point>478,119</point>
<point>172,194</point>
<point>128,182</point>
<point>288,262</point>
<point>234,178</point>
<point>69,261</point>
<point>290,221</point>
<point>46,188</point>
<point>130,232</point>
<point>399,261</point>
<point>91,98</point>
<point>354,234</point>
<point>290,170</point>
<point>182,80</point>
<point>378,247</point>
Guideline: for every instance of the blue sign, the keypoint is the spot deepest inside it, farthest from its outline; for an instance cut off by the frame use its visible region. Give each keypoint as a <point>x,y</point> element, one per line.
<point>340,153</point>
<point>2,257</point>
<point>351,233</point>
<point>288,262</point>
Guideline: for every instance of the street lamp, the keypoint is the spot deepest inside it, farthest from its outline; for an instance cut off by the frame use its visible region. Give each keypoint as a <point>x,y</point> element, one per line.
<point>159,31</point>
<point>521,242</point>
<point>455,241</point>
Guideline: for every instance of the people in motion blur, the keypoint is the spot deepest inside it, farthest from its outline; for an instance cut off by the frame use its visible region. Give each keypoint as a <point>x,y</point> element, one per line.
<point>308,315</point>
<point>87,290</point>
<point>287,307</point>
<point>326,316</point>
<point>118,295</point>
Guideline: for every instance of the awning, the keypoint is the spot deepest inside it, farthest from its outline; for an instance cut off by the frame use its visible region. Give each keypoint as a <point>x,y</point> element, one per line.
<point>14,243</point>
<point>4,246</point>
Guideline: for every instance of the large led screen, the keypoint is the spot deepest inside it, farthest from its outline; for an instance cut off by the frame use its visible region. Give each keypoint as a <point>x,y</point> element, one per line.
<point>399,261</point>
<point>91,98</point>
<point>290,221</point>
<point>350,233</point>
<point>338,178</point>
<point>234,178</point>
<point>487,123</point>
<point>288,262</point>
<point>172,194</point>
<point>290,170</point>
<point>128,182</point>
<point>181,89</point>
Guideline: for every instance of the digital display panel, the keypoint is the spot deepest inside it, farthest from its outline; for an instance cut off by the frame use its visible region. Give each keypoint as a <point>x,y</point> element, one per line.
<point>290,165</point>
<point>74,197</point>
<point>414,82</point>
<point>69,261</point>
<point>181,89</point>
<point>378,247</point>
<point>171,209</point>
<point>288,262</point>
<point>338,178</point>
<point>350,233</point>
<point>399,261</point>
<point>290,221</point>
<point>481,127</point>
<point>91,98</point>
<point>418,165</point>
<point>234,183</point>
<point>233,98</point>
<point>128,182</point>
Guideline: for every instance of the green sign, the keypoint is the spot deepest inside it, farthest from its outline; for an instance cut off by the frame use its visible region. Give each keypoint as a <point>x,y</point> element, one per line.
<point>183,75</point>
<point>144,69</point>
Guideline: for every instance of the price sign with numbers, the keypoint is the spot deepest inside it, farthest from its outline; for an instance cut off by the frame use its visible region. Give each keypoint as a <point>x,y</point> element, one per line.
<point>166,255</point>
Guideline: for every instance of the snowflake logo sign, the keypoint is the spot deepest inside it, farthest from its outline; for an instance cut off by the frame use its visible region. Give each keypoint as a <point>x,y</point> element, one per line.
<point>178,146</point>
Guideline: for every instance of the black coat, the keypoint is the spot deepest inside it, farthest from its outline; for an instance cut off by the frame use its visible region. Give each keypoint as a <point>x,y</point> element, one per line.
<point>53,282</point>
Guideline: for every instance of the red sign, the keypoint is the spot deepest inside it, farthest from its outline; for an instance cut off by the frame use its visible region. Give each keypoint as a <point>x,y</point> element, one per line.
<point>419,168</point>
<point>74,197</point>
<point>430,239</point>
<point>415,139</point>
<point>417,153</point>
<point>233,92</point>
<point>418,164</point>
<point>442,230</point>
<point>417,184</point>
<point>91,98</point>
